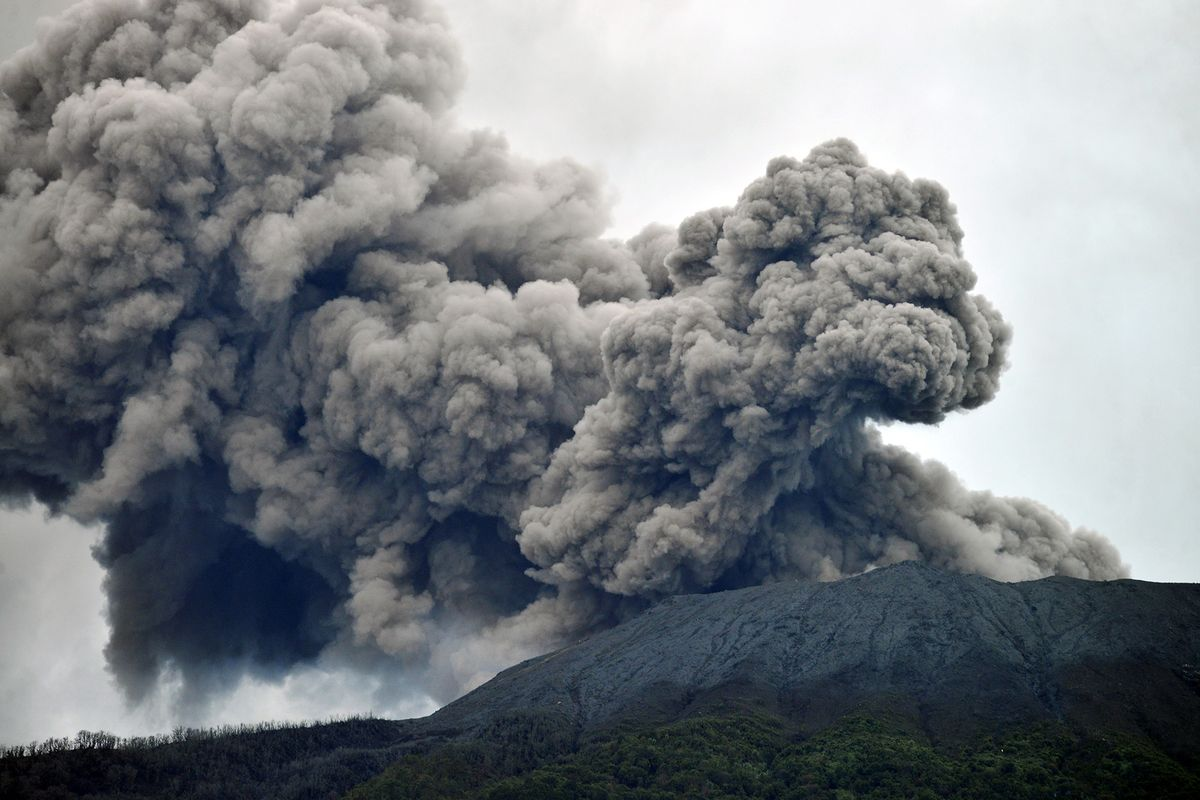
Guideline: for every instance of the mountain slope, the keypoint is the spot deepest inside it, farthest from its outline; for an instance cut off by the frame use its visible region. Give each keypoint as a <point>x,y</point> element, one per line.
<point>957,653</point>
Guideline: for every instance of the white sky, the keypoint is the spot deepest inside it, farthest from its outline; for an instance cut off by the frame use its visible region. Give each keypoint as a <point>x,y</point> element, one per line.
<point>1068,134</point>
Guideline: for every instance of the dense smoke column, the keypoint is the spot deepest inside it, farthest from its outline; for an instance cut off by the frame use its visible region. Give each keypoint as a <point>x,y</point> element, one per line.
<point>731,446</point>
<point>273,318</point>
<point>339,376</point>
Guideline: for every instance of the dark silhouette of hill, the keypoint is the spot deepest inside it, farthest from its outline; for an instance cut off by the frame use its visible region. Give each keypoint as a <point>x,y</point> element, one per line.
<point>898,681</point>
<point>274,761</point>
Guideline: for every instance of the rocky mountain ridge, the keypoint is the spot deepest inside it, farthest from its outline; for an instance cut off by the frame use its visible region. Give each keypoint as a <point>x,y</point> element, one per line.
<point>955,653</point>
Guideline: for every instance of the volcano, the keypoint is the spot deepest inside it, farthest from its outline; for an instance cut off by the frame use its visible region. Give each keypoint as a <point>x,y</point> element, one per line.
<point>903,679</point>
<point>956,654</point>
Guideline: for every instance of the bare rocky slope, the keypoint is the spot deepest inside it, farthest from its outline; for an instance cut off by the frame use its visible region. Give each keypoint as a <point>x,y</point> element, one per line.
<point>955,654</point>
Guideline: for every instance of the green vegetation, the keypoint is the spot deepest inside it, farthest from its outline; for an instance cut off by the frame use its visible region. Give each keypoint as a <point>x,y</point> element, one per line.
<point>508,746</point>
<point>535,755</point>
<point>268,760</point>
<point>754,757</point>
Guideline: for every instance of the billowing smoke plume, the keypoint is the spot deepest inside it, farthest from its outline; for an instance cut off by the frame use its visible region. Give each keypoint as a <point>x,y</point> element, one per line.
<point>337,373</point>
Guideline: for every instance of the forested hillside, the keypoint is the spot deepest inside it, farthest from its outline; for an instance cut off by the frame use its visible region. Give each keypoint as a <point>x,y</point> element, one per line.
<point>736,755</point>
<point>309,761</point>
<point>754,756</point>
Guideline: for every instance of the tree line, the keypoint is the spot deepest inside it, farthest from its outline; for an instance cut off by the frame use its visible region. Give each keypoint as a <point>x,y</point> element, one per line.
<point>103,740</point>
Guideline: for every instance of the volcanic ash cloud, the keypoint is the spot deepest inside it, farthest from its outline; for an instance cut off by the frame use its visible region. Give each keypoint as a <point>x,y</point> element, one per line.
<point>340,376</point>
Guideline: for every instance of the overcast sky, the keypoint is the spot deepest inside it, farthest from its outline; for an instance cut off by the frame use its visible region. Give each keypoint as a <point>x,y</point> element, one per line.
<point>1066,133</point>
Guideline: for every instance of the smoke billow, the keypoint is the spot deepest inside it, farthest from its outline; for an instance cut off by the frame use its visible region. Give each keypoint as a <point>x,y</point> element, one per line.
<point>339,374</point>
